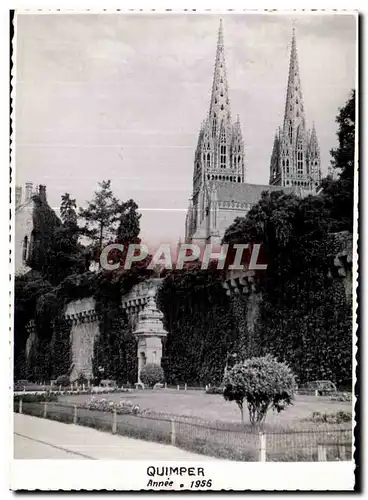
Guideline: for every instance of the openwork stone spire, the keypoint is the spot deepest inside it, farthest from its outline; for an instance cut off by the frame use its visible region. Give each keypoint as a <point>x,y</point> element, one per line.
<point>294,118</point>
<point>220,105</point>
<point>295,158</point>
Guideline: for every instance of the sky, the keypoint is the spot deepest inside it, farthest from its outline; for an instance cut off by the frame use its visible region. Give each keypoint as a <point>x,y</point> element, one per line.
<point>122,97</point>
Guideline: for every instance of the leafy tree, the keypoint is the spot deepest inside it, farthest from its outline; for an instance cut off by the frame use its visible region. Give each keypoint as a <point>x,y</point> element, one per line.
<point>101,214</point>
<point>129,226</point>
<point>151,374</point>
<point>339,194</point>
<point>68,212</point>
<point>263,383</point>
<point>343,155</point>
<point>301,302</point>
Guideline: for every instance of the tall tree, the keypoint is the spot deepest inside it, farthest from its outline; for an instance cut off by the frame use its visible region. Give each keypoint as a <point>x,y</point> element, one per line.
<point>343,155</point>
<point>339,194</point>
<point>68,214</point>
<point>129,226</point>
<point>101,214</point>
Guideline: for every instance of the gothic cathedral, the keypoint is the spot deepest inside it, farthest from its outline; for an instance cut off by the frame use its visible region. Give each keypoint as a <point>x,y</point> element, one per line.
<point>220,192</point>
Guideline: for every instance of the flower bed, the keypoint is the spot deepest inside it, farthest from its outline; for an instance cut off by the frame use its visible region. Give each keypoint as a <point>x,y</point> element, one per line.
<point>121,407</point>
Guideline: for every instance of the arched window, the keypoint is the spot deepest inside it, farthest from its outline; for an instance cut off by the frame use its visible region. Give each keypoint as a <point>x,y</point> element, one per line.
<point>300,160</point>
<point>222,107</point>
<point>25,248</point>
<point>208,160</point>
<point>214,125</point>
<point>223,149</point>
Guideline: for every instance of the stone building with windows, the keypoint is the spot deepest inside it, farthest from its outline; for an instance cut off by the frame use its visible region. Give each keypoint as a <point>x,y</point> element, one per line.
<point>23,226</point>
<point>220,191</point>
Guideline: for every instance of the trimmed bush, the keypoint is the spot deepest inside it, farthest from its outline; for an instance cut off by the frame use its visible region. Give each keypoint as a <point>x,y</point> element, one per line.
<point>342,397</point>
<point>263,383</point>
<point>331,418</point>
<point>215,390</point>
<point>35,398</point>
<point>151,374</point>
<point>63,380</point>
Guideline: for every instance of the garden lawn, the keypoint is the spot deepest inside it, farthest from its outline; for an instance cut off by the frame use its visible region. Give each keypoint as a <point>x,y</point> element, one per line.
<point>213,407</point>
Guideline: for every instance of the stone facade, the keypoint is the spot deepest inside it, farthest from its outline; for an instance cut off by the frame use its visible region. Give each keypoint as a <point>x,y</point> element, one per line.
<point>23,227</point>
<point>83,319</point>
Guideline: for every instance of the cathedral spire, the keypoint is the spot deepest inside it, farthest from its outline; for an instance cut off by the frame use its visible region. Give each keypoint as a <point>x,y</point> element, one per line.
<point>220,105</point>
<point>295,158</point>
<point>294,109</point>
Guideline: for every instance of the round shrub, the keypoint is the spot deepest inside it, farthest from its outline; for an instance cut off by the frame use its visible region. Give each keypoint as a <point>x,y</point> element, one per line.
<point>63,380</point>
<point>262,383</point>
<point>151,374</point>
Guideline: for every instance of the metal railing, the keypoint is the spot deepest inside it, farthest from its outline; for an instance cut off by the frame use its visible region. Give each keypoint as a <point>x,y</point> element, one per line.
<point>218,439</point>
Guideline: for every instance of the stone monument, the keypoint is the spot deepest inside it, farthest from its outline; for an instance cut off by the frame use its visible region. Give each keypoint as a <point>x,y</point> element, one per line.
<point>149,333</point>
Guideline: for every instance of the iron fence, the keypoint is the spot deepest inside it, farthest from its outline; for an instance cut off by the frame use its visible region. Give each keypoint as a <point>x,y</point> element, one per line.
<point>218,439</point>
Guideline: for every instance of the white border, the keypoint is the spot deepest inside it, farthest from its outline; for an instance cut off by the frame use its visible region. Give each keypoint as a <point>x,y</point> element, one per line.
<point>115,475</point>
<point>132,476</point>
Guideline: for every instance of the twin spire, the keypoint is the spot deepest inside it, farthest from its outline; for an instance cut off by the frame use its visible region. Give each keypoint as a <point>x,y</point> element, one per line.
<point>220,104</point>
<point>294,107</point>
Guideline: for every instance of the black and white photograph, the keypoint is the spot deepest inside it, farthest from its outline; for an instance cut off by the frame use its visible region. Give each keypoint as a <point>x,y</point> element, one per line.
<point>184,228</point>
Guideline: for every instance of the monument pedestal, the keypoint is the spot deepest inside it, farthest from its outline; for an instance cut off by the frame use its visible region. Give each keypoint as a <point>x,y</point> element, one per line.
<point>149,333</point>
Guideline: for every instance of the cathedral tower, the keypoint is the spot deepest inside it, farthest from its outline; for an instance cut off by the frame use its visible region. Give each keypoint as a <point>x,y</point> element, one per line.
<point>295,159</point>
<point>219,155</point>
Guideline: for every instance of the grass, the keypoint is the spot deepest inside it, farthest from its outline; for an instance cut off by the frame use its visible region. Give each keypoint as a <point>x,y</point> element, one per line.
<point>209,425</point>
<point>213,407</point>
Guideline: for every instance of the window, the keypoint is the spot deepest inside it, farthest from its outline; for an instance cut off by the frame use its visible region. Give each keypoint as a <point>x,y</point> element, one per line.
<point>25,248</point>
<point>300,160</point>
<point>214,125</point>
<point>222,156</point>
<point>222,107</point>
<point>223,149</point>
<point>208,160</point>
